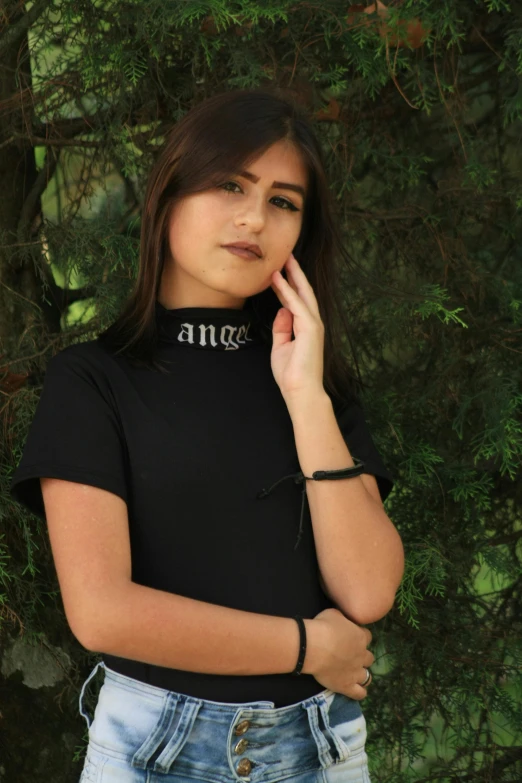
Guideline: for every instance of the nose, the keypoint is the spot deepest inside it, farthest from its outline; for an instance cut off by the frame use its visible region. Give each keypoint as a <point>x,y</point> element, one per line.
<point>252,215</point>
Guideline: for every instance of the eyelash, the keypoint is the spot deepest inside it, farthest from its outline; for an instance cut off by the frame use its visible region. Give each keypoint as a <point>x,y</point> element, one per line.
<point>291,207</point>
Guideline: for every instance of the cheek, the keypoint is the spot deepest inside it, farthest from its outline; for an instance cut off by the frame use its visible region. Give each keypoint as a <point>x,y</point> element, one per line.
<point>286,239</point>
<point>192,223</point>
<point>288,231</point>
<point>206,209</point>
<point>282,241</point>
<point>197,213</point>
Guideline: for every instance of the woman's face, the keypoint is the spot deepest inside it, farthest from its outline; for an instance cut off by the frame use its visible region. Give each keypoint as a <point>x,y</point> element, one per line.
<point>200,271</point>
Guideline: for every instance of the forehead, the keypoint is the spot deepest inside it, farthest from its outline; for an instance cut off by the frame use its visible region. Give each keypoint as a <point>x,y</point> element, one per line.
<point>283,163</point>
<point>281,154</point>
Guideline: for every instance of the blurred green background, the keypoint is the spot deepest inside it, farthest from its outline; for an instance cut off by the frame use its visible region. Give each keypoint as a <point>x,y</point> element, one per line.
<point>418,106</point>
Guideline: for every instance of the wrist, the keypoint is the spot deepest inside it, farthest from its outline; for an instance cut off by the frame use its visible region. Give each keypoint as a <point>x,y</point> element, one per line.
<point>316,645</point>
<point>307,404</point>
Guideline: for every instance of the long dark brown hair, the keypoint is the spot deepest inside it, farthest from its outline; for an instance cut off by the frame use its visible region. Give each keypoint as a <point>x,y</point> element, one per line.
<point>216,138</point>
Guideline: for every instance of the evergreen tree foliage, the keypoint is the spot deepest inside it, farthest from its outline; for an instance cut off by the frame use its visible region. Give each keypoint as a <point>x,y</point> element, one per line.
<point>418,106</point>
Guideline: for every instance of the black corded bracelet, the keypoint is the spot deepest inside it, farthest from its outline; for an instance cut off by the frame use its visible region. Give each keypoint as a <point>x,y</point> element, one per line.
<point>319,475</point>
<point>302,644</point>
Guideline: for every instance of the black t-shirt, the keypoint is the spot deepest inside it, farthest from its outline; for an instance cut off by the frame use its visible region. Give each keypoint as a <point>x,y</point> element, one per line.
<point>189,451</point>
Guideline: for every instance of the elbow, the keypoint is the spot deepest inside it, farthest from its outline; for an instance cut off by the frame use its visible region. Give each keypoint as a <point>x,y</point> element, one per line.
<point>95,621</point>
<point>86,627</point>
<point>366,606</point>
<point>369,611</point>
<point>370,603</point>
<point>82,636</point>
<point>91,643</point>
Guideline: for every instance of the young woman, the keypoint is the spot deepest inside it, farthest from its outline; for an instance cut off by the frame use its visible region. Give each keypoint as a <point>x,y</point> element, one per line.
<point>174,459</point>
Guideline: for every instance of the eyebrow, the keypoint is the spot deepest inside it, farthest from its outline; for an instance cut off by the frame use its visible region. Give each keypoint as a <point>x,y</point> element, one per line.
<point>275,184</point>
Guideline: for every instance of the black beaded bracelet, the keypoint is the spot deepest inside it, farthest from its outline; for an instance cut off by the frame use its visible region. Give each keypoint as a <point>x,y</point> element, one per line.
<point>302,644</point>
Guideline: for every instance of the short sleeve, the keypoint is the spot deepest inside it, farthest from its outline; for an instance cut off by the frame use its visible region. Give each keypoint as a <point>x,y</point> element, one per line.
<point>75,433</point>
<point>357,436</point>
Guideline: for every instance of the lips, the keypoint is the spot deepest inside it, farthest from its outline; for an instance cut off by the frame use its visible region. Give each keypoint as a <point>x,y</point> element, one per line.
<point>247,246</point>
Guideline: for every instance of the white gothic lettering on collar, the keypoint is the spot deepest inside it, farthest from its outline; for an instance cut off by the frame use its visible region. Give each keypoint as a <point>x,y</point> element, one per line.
<point>227,337</point>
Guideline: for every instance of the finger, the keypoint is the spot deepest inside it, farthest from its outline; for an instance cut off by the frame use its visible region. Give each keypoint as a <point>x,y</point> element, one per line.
<point>290,299</point>
<point>282,298</point>
<point>369,659</point>
<point>357,692</point>
<point>304,287</point>
<point>365,678</point>
<point>284,301</point>
<point>290,277</point>
<point>368,636</point>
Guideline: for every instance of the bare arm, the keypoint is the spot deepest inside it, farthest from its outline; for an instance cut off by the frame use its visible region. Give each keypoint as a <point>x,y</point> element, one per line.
<point>359,550</point>
<point>107,612</point>
<point>171,630</point>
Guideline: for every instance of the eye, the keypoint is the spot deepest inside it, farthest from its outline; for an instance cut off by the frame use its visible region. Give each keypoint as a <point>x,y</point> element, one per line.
<point>228,183</point>
<point>288,204</point>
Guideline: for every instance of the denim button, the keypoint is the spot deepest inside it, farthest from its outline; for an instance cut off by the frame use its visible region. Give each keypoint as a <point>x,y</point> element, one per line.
<point>244,767</point>
<point>241,727</point>
<point>241,746</point>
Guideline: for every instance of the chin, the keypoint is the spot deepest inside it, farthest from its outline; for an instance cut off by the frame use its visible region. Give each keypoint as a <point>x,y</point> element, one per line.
<point>239,291</point>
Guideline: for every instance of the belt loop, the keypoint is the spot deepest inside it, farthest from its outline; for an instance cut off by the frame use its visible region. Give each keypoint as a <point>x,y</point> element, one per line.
<point>323,748</point>
<point>179,737</point>
<point>87,681</point>
<point>342,748</point>
<point>143,755</point>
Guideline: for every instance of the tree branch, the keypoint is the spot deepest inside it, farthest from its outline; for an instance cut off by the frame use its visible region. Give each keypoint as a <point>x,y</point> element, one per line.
<point>31,205</point>
<point>14,32</point>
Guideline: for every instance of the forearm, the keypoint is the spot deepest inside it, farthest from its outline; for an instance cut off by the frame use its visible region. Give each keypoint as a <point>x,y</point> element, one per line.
<point>359,551</point>
<point>166,629</point>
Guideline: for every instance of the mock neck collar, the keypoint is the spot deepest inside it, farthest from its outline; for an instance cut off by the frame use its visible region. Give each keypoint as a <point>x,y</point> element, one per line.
<point>207,328</point>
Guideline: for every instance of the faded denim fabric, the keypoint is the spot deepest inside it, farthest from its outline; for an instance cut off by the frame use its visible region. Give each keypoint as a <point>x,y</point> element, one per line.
<point>144,734</point>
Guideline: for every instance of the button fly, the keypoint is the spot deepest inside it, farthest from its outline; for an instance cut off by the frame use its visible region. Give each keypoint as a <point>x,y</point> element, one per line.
<point>241,727</point>
<point>241,746</point>
<point>244,767</point>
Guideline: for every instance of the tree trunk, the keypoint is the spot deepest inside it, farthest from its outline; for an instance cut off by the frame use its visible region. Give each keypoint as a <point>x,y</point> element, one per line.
<point>18,175</point>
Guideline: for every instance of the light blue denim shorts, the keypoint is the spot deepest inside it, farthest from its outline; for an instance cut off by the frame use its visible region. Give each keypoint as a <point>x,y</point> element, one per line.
<point>144,734</point>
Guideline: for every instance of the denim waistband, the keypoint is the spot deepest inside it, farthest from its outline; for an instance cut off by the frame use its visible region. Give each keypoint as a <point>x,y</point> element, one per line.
<point>160,745</point>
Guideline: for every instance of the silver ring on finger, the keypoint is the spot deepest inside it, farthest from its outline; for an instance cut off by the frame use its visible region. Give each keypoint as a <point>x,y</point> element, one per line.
<point>368,678</point>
